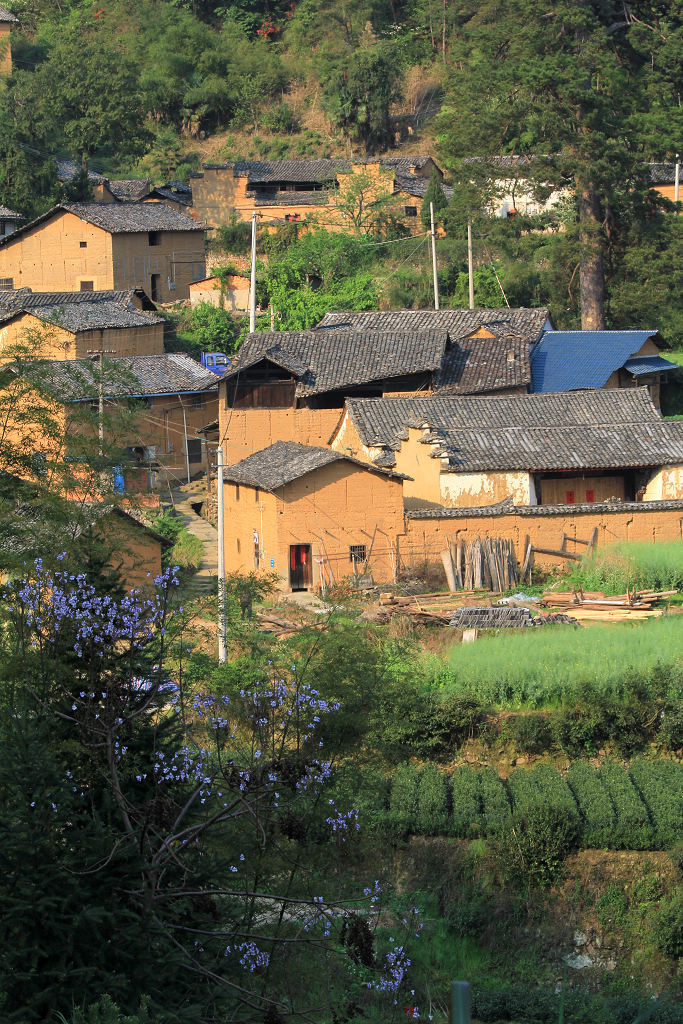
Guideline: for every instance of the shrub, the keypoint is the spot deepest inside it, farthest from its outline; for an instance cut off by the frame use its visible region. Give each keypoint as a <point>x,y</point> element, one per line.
<point>466,795</point>
<point>579,730</point>
<point>403,800</point>
<point>539,844</point>
<point>594,803</point>
<point>532,734</point>
<point>668,925</point>
<point>432,802</point>
<point>660,783</point>
<point>632,829</point>
<point>611,906</point>
<point>670,732</point>
<point>494,801</point>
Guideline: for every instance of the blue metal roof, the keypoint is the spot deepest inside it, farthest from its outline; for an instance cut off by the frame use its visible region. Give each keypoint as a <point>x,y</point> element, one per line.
<point>569,360</point>
<point>649,364</point>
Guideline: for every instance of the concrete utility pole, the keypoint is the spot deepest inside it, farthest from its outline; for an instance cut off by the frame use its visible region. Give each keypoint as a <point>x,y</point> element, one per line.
<point>252,289</point>
<point>222,652</point>
<point>677,178</point>
<point>187,449</point>
<point>100,353</point>
<point>470,262</point>
<point>436,279</point>
<point>460,1003</point>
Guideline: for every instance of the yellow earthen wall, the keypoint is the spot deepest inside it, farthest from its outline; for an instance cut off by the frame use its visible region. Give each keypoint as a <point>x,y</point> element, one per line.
<point>331,509</point>
<point>180,257</point>
<point>162,426</point>
<point>233,296</point>
<point>5,49</point>
<point>249,430</point>
<point>426,538</point>
<point>48,341</point>
<point>49,257</point>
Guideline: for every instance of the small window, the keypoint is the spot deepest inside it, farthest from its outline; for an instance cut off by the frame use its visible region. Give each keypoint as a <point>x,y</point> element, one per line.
<point>357,553</point>
<point>6,282</point>
<point>257,494</point>
<point>239,547</point>
<point>87,286</point>
<point>237,492</point>
<point>154,237</point>
<point>198,402</point>
<point>83,245</point>
<point>571,498</point>
<point>411,211</point>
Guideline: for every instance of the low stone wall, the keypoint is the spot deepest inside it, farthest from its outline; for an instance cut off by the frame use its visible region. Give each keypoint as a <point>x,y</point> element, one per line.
<point>427,531</point>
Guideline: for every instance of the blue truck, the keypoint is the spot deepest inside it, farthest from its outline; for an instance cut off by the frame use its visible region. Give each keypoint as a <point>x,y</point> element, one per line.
<point>216,362</point>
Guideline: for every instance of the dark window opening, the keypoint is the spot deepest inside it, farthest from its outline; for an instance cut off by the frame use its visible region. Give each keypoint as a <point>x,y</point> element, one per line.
<point>237,492</point>
<point>87,286</point>
<point>300,574</point>
<point>83,245</point>
<point>257,494</point>
<point>239,547</point>
<point>156,287</point>
<point>357,553</point>
<point>411,211</point>
<point>154,237</point>
<point>194,449</point>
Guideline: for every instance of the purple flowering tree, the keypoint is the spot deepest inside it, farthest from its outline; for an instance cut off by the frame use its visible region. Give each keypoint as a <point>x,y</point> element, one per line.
<point>207,820</point>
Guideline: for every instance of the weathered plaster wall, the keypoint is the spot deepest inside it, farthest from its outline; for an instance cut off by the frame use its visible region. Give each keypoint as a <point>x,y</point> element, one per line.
<point>232,295</point>
<point>666,484</point>
<point>426,538</point>
<point>470,490</point>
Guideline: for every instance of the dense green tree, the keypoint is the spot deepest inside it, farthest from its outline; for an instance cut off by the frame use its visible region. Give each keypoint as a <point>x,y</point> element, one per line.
<point>435,196</point>
<point>359,93</point>
<point>588,91</point>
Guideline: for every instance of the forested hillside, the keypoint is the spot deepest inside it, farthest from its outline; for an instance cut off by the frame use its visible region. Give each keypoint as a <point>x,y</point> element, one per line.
<point>574,97</point>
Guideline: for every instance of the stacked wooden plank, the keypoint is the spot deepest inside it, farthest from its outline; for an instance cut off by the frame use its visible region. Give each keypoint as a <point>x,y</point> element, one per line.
<point>596,606</point>
<point>478,617</point>
<point>487,563</point>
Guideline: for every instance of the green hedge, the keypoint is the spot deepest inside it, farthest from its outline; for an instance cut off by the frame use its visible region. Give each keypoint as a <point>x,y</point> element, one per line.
<point>611,808</point>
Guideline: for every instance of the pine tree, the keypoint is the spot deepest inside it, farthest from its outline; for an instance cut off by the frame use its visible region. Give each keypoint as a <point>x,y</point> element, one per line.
<point>434,194</point>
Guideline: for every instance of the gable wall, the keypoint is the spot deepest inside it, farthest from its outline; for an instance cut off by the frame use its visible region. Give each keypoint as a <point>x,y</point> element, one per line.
<point>48,341</point>
<point>5,48</point>
<point>248,430</point>
<point>49,258</point>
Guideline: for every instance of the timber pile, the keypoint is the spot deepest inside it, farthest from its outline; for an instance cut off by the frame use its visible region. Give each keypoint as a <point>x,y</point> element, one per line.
<point>596,606</point>
<point>482,564</point>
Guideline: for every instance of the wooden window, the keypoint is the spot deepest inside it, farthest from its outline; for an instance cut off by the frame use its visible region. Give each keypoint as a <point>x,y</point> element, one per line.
<point>6,283</point>
<point>570,498</point>
<point>83,245</point>
<point>198,402</point>
<point>276,395</point>
<point>357,553</point>
<point>154,237</point>
<point>87,286</point>
<point>590,495</point>
<point>411,211</point>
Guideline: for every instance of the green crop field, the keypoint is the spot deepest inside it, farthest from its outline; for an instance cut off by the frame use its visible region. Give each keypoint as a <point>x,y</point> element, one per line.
<point>618,566</point>
<point>552,667</point>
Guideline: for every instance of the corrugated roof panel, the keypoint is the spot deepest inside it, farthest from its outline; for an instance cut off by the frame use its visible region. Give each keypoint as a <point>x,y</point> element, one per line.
<point>570,360</point>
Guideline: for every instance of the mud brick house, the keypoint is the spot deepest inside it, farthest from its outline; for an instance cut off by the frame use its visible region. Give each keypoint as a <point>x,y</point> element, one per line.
<point>312,515</point>
<point>663,180</point>
<point>292,385</point>
<point>569,360</point>
<point>7,19</point>
<point>172,398</point>
<point>97,246</point>
<point>566,448</point>
<point>293,190</point>
<point>69,325</point>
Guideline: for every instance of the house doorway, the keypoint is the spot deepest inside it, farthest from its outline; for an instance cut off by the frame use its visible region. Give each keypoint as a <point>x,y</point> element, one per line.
<point>300,575</point>
<point>156,287</point>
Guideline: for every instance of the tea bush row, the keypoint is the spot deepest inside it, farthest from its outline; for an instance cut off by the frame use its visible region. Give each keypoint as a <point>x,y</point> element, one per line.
<point>524,1004</point>
<point>611,808</point>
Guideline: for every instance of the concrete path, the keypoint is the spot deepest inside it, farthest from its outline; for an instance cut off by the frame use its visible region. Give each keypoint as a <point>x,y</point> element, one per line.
<point>204,580</point>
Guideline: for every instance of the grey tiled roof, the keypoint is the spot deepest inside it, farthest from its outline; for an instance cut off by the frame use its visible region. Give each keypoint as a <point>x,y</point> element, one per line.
<point>382,422</point>
<point>405,164</point>
<point>7,214</point>
<point>132,376</point>
<point>662,174</point>
<point>78,311</point>
<point>120,218</point>
<point>527,323</point>
<point>330,360</point>
<point>285,461</point>
<point>129,190</point>
<point>320,198</point>
<point>474,365</point>
<point>416,185</point>
<point>68,169</point>
<point>502,509</point>
<point>267,171</point>
<point>566,447</point>
<point>6,15</point>
<point>178,191</point>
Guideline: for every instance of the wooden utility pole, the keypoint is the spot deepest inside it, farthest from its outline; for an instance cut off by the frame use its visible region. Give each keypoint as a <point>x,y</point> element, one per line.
<point>470,262</point>
<point>436,277</point>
